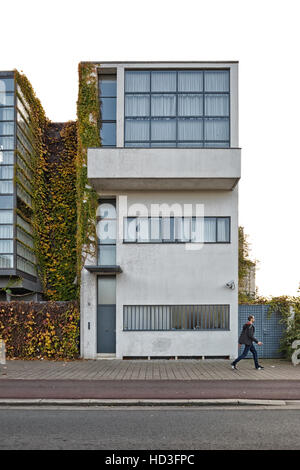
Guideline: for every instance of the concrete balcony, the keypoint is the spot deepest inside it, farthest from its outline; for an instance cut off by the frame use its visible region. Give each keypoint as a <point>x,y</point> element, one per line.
<point>151,169</point>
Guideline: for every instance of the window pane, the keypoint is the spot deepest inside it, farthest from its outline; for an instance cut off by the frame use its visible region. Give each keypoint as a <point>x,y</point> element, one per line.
<point>163,144</point>
<point>163,81</point>
<point>190,129</point>
<point>6,261</point>
<point>26,266</point>
<point>137,129</point>
<point>216,129</point>
<point>217,105</point>
<point>106,290</point>
<point>155,234</point>
<point>130,229</point>
<point>6,172</point>
<point>167,227</point>
<point>6,202</point>
<point>6,246</point>
<point>6,186</point>
<point>108,109</point>
<point>6,231</point>
<point>6,128</point>
<point>190,105</point>
<point>190,144</point>
<point>182,229</point>
<point>107,255</point>
<point>108,85</point>
<point>210,229</point>
<point>137,81</point>
<point>216,144</point>
<point>6,157</point>
<point>6,99</point>
<point>106,231</point>
<point>190,81</point>
<point>197,230</point>
<point>137,105</point>
<point>107,210</point>
<point>6,143</point>
<point>163,129</point>
<point>137,144</point>
<point>108,133</point>
<point>6,114</point>
<point>6,217</point>
<point>163,105</point>
<point>6,84</point>
<point>216,80</point>
<point>223,229</point>
<point>143,229</point>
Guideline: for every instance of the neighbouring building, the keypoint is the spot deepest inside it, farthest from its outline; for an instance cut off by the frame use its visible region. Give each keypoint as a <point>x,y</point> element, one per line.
<point>164,282</point>
<point>17,257</point>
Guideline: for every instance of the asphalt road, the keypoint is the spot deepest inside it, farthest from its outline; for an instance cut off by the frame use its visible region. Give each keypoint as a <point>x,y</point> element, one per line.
<point>247,389</point>
<point>149,429</point>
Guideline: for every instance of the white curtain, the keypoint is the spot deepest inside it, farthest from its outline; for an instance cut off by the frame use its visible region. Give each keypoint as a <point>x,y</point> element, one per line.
<point>216,105</point>
<point>6,187</point>
<point>190,129</point>
<point>163,129</point>
<point>190,81</point>
<point>163,105</point>
<point>137,105</point>
<point>6,261</point>
<point>130,229</point>
<point>137,81</point>
<point>143,229</point>
<point>210,229</point>
<point>6,172</point>
<point>6,246</point>
<point>216,80</point>
<point>197,230</point>
<point>6,143</point>
<point>163,81</point>
<point>6,128</point>
<point>6,114</point>
<point>190,105</point>
<point>155,229</point>
<point>6,217</point>
<point>183,229</point>
<point>223,230</point>
<point>137,129</point>
<point>216,129</point>
<point>6,231</point>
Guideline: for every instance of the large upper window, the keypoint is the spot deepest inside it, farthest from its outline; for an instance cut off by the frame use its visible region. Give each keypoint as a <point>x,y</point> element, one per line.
<point>177,108</point>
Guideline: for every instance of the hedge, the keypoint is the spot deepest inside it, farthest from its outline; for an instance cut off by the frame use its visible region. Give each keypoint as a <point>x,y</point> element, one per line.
<point>36,330</point>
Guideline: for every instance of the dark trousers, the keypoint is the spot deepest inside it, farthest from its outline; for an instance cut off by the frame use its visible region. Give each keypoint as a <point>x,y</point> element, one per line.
<point>248,348</point>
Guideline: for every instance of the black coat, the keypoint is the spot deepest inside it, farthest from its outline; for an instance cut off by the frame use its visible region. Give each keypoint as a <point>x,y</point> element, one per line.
<point>247,335</point>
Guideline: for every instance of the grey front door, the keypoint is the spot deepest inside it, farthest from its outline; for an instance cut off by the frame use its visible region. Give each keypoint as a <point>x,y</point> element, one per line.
<point>106,329</point>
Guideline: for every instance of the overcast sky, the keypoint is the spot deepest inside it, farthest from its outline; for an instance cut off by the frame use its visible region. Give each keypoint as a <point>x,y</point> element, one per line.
<point>46,40</point>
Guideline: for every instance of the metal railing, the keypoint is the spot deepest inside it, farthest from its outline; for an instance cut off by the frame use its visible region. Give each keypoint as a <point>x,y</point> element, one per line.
<point>175,317</point>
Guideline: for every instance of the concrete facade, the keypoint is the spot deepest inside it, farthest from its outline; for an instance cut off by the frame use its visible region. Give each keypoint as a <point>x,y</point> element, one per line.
<point>167,273</point>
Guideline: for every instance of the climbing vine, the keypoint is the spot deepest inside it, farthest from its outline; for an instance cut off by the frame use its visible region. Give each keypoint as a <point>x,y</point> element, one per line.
<point>54,208</point>
<point>88,127</point>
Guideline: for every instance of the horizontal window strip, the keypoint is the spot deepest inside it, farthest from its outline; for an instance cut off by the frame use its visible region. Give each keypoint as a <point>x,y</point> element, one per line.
<point>176,230</point>
<point>175,317</point>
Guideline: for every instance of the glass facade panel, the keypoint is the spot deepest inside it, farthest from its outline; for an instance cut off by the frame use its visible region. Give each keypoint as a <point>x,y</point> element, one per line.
<point>190,129</point>
<point>7,84</point>
<point>216,129</point>
<point>26,266</point>
<point>7,99</point>
<point>6,157</point>
<point>108,85</point>
<point>6,202</point>
<point>6,217</point>
<point>223,230</point>
<point>108,100</point>
<point>25,237</point>
<point>6,246</point>
<point>137,105</point>
<point>163,105</point>
<point>163,129</point>
<point>6,231</point>
<point>137,81</point>
<point>107,255</point>
<point>7,128</point>
<point>7,114</point>
<point>137,129</point>
<point>190,81</point>
<point>25,252</point>
<point>163,81</point>
<point>6,187</point>
<point>6,143</point>
<point>6,172</point>
<point>108,108</point>
<point>6,261</point>
<point>217,80</point>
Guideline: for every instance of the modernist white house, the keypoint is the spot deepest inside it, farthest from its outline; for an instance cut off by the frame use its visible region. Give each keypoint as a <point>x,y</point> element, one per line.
<point>165,281</point>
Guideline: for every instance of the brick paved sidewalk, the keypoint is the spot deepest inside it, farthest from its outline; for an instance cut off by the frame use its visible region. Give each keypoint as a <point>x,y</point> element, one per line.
<point>115,369</point>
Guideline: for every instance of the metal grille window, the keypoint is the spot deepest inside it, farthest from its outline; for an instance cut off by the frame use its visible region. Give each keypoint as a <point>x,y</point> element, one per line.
<point>177,108</point>
<point>177,230</point>
<point>175,317</point>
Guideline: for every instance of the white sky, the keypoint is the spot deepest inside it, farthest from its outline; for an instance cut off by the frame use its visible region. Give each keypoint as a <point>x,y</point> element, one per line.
<point>46,40</point>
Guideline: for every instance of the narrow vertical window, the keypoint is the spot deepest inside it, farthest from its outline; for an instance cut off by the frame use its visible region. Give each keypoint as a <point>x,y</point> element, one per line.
<point>108,109</point>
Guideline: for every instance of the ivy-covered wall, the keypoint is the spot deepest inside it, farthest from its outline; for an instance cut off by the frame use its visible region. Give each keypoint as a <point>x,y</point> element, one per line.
<point>54,202</point>
<point>34,330</point>
<point>88,129</point>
